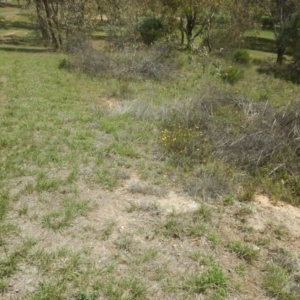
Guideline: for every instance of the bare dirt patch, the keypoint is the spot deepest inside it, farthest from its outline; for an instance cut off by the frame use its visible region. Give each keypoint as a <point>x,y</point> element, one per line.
<point>279,214</point>
<point>109,102</point>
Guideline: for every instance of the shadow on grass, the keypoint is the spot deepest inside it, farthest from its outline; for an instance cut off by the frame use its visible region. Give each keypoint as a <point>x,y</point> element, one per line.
<point>26,41</point>
<point>289,72</point>
<point>12,25</point>
<point>25,50</point>
<point>260,44</point>
<point>99,37</point>
<point>5,4</point>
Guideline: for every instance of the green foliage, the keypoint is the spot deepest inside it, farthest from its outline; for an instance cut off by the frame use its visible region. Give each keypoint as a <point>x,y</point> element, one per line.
<point>231,74</point>
<point>266,22</point>
<point>229,200</point>
<point>242,56</point>
<point>151,29</point>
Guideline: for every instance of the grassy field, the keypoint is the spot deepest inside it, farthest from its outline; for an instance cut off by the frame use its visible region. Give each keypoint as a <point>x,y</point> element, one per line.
<point>111,187</point>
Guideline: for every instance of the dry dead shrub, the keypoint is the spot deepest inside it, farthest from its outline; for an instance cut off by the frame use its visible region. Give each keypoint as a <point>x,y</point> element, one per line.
<point>155,63</point>
<point>251,136</point>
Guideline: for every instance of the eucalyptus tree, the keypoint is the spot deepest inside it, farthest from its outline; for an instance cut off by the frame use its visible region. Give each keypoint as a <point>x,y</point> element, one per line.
<point>279,12</point>
<point>211,20</point>
<point>60,19</point>
<point>291,35</point>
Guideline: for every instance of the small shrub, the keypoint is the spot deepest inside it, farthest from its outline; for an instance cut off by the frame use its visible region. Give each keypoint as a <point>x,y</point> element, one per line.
<point>151,29</point>
<point>183,141</point>
<point>65,64</point>
<point>229,200</point>
<point>266,22</point>
<point>247,193</point>
<point>231,74</point>
<point>242,56</point>
<point>257,61</point>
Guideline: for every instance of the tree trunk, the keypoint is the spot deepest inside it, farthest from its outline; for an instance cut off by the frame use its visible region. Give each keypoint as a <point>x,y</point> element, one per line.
<point>50,25</point>
<point>190,24</point>
<point>181,31</point>
<point>280,53</point>
<point>41,20</point>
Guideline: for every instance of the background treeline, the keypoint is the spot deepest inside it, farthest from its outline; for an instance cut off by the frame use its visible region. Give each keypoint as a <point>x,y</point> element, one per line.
<point>213,24</point>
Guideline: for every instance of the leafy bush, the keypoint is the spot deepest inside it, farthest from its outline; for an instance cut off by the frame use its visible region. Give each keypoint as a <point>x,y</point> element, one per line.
<point>266,22</point>
<point>242,56</point>
<point>151,30</point>
<point>231,74</point>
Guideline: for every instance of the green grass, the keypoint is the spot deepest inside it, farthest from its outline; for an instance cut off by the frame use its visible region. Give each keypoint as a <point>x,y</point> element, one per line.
<point>213,279</point>
<point>244,251</point>
<point>4,204</point>
<point>68,211</point>
<point>278,284</point>
<point>107,230</point>
<point>130,288</point>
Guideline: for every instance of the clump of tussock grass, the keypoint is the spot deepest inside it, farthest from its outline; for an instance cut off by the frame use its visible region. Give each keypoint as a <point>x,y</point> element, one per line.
<point>179,226</point>
<point>145,189</point>
<point>244,251</point>
<point>214,281</point>
<point>279,284</point>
